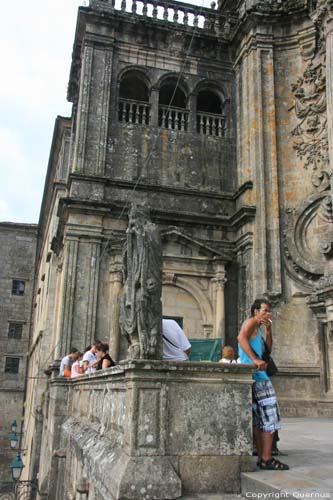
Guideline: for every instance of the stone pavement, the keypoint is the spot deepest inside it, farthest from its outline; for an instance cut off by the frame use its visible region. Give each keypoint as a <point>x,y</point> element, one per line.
<point>308,443</point>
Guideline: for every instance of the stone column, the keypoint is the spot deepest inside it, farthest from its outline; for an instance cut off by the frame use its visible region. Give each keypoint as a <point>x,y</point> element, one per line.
<point>116,286</point>
<point>154,107</point>
<point>220,281</point>
<point>193,113</point>
<point>93,105</point>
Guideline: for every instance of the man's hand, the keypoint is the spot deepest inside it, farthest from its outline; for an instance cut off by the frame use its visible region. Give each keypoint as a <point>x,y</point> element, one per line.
<point>260,364</point>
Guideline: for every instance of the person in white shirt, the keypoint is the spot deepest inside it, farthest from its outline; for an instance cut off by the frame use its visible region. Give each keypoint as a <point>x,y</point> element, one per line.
<point>90,358</point>
<point>176,346</point>
<point>228,355</point>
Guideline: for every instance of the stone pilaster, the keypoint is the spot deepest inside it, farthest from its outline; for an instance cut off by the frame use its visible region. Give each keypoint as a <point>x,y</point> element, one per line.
<point>93,279</point>
<point>116,280</point>
<point>93,105</point>
<point>258,155</point>
<point>67,286</point>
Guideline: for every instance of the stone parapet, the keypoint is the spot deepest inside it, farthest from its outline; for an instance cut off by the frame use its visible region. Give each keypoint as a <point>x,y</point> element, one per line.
<point>154,429</point>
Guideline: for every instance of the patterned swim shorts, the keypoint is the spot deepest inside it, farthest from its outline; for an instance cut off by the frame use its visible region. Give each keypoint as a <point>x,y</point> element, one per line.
<point>265,409</point>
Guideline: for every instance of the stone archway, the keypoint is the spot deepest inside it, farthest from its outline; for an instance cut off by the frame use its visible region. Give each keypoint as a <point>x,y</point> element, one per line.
<point>185,301</point>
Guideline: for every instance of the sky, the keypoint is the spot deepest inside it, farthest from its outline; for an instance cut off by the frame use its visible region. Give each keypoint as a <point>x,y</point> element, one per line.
<point>36,40</point>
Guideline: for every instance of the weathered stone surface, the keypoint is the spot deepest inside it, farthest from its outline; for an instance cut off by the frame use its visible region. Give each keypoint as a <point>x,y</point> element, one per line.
<point>235,169</point>
<point>140,432</point>
<point>141,307</point>
<point>17,257</point>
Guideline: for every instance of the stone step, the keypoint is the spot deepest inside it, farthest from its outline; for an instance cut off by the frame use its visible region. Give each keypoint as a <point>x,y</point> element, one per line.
<point>299,482</point>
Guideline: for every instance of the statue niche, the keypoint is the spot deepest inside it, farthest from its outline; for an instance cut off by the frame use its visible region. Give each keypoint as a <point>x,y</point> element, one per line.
<point>141,306</point>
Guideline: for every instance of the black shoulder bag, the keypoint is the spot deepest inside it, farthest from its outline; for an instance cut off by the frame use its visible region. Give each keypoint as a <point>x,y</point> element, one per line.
<point>271,369</point>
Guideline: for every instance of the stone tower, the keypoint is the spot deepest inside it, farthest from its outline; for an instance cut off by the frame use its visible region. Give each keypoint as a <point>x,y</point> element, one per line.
<point>219,121</point>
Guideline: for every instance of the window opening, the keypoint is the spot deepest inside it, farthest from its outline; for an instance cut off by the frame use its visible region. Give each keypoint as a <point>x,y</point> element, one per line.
<point>18,287</point>
<point>12,365</point>
<point>172,113</point>
<point>210,117</point>
<point>133,101</point>
<point>15,330</point>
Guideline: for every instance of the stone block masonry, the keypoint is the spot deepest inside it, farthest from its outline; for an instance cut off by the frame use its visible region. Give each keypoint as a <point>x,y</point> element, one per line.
<point>149,430</point>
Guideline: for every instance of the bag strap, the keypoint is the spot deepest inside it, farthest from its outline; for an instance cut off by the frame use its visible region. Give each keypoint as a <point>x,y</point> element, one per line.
<point>168,340</point>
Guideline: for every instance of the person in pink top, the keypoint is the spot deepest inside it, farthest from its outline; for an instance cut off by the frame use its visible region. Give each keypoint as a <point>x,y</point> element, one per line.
<point>77,369</point>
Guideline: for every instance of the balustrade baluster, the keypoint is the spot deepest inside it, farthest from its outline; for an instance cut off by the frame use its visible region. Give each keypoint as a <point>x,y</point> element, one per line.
<point>185,19</point>
<point>134,7</point>
<point>183,122</point>
<point>155,11</point>
<point>195,20</point>
<point>165,13</point>
<point>164,122</point>
<point>175,15</point>
<point>123,112</point>
<point>170,119</point>
<point>123,5</point>
<point>145,8</point>
<point>222,127</point>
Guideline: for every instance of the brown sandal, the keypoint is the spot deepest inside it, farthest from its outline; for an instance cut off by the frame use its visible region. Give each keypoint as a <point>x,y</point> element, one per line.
<point>273,464</point>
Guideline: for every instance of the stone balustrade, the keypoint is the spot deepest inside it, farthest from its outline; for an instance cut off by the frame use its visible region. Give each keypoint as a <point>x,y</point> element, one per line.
<point>154,429</point>
<point>173,118</point>
<point>134,111</point>
<point>167,11</point>
<point>211,124</point>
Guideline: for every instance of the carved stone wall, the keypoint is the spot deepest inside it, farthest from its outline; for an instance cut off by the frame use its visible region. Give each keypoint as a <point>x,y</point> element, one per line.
<point>130,434</point>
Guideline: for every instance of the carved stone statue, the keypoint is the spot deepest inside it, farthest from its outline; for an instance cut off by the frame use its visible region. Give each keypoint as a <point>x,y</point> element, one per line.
<point>141,307</point>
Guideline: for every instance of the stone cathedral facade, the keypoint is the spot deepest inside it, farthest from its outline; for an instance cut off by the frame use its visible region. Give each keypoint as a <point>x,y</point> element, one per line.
<point>220,121</point>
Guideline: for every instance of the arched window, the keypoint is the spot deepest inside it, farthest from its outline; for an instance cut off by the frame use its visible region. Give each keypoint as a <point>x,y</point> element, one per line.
<point>210,117</point>
<point>172,113</point>
<point>133,99</point>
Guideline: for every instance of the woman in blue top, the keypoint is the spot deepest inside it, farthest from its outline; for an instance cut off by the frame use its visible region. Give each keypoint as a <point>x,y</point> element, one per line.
<point>266,417</point>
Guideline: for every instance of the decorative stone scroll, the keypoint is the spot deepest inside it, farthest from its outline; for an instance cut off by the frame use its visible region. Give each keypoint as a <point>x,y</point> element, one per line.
<point>307,238</point>
<point>141,306</point>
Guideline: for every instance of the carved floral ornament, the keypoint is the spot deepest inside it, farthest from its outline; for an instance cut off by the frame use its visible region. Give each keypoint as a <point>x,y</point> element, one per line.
<point>310,135</point>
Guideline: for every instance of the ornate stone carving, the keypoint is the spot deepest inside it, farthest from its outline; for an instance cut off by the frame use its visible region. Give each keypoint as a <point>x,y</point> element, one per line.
<point>271,7</point>
<point>310,135</point>
<point>307,238</point>
<point>141,307</point>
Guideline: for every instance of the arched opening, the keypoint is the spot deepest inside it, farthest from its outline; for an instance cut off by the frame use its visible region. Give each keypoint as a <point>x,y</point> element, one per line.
<point>210,117</point>
<point>178,303</point>
<point>133,99</point>
<point>172,106</point>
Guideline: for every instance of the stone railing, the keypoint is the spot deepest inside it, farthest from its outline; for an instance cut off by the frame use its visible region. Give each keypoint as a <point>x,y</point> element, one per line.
<point>133,111</point>
<point>211,124</point>
<point>173,118</point>
<point>167,11</point>
<point>134,430</point>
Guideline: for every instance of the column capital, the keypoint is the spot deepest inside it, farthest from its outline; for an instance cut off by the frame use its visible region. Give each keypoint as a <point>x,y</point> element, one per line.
<point>220,279</point>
